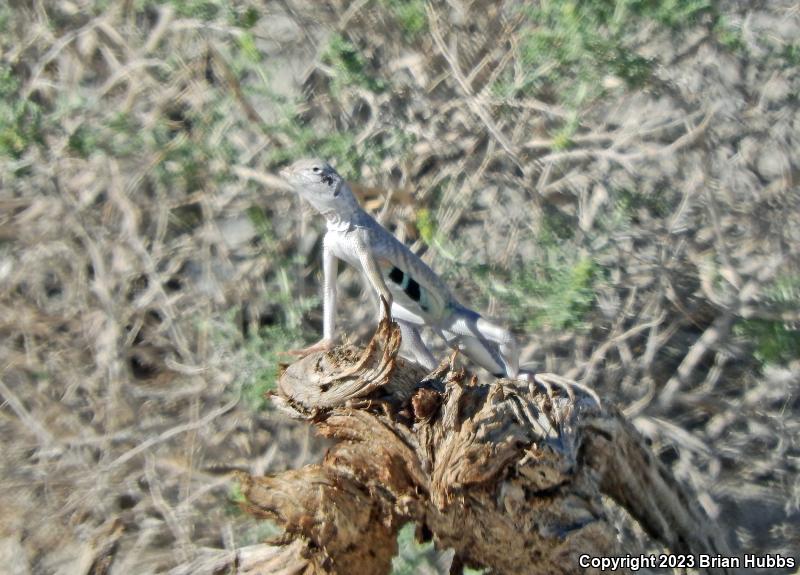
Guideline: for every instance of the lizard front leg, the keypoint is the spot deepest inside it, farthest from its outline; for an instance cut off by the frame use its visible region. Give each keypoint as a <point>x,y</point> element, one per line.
<point>373,272</point>
<point>329,268</point>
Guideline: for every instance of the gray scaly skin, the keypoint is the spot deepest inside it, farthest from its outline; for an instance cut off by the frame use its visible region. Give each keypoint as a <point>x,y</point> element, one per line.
<point>416,295</point>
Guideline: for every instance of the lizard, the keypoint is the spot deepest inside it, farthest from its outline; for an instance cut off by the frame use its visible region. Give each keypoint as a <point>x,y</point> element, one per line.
<point>415,295</point>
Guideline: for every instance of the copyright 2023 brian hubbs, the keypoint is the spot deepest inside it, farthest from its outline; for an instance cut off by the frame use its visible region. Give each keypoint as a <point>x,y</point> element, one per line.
<point>678,561</point>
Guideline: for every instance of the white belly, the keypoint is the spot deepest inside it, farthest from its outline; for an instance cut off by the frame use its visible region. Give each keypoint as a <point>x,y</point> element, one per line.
<point>343,247</point>
<point>406,291</point>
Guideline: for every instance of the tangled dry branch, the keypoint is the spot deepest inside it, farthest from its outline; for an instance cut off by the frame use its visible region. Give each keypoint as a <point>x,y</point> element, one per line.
<point>511,475</point>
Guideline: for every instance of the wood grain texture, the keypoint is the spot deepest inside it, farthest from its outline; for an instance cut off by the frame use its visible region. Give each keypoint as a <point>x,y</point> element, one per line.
<point>516,476</point>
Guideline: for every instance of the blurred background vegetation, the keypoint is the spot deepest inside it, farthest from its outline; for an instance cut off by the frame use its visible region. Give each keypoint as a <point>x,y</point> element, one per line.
<point>615,179</point>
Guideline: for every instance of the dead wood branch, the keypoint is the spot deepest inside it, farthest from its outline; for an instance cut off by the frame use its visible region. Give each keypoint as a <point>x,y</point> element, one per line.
<point>511,475</point>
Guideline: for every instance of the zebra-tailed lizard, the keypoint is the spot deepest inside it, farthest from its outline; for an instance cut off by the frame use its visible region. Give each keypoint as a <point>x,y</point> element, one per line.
<point>414,293</point>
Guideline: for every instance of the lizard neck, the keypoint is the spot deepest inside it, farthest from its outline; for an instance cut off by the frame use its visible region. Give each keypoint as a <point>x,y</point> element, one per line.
<point>341,220</point>
<point>344,212</point>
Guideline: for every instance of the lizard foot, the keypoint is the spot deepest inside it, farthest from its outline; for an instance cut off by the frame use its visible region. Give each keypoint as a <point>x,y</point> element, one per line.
<point>321,345</point>
<point>386,310</point>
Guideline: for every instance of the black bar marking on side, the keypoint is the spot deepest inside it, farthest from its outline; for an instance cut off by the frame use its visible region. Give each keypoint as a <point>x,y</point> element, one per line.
<point>412,290</point>
<point>396,275</point>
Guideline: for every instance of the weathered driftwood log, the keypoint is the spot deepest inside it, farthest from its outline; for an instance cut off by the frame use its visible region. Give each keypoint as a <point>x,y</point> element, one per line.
<point>511,475</point>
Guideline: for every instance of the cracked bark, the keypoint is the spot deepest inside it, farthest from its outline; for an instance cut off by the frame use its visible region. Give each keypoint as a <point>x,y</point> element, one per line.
<point>511,475</point>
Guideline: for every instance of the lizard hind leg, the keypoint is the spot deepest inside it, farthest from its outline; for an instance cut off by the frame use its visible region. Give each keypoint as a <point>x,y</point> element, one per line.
<point>491,346</point>
<point>506,344</point>
<point>413,341</point>
<point>476,350</point>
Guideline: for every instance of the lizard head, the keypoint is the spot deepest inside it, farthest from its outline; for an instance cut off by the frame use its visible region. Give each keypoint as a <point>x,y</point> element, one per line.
<point>317,182</point>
